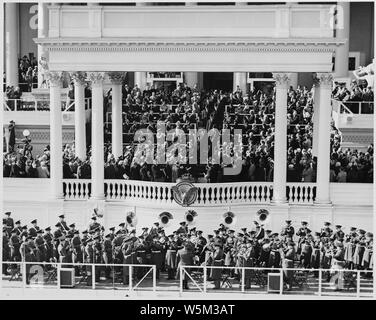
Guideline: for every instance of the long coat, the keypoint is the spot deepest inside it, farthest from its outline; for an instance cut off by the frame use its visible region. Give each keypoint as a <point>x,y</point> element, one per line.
<point>184,257</point>
<point>218,258</point>
<point>171,253</point>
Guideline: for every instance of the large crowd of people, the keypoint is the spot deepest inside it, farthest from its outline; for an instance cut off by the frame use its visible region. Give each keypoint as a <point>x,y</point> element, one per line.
<point>327,248</point>
<point>190,108</point>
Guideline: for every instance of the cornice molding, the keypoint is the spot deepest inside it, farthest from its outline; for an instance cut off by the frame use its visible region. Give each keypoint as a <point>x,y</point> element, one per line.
<point>195,45</point>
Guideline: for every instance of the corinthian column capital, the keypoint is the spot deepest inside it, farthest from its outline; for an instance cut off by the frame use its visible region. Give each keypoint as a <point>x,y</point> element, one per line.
<point>96,78</point>
<point>54,78</point>
<point>116,77</point>
<point>79,78</point>
<point>282,80</point>
<point>325,79</point>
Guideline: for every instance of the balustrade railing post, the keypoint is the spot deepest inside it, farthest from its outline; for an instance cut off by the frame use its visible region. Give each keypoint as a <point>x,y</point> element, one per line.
<point>154,278</point>
<point>358,283</point>
<point>243,280</point>
<point>58,275</point>
<point>320,282</point>
<point>130,278</point>
<point>281,281</point>
<point>24,274</point>
<point>205,278</point>
<point>181,279</point>
<point>93,275</point>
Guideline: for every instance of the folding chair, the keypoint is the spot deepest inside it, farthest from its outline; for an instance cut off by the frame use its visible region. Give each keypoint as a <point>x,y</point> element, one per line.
<point>15,272</point>
<point>225,281</point>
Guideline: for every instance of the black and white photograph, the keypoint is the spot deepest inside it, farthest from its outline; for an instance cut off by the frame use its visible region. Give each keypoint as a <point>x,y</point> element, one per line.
<point>197,150</point>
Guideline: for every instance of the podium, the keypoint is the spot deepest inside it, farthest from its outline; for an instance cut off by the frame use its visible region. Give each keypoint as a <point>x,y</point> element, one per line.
<point>67,279</point>
<point>274,282</point>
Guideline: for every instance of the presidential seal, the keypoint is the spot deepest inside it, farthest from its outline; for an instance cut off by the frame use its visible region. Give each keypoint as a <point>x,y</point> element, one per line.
<point>185,193</point>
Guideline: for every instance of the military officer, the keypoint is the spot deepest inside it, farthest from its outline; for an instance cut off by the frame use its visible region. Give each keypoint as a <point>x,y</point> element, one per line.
<point>288,231</point>
<point>14,244</point>
<point>156,255</point>
<point>94,225</point>
<point>63,223</point>
<point>40,246</point>
<point>33,230</point>
<point>48,238</point>
<point>107,254</point>
<point>8,221</point>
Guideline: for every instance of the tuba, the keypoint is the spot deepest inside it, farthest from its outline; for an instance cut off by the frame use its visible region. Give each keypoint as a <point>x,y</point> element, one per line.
<point>190,216</point>
<point>165,218</point>
<point>229,218</point>
<point>262,216</point>
<point>131,219</point>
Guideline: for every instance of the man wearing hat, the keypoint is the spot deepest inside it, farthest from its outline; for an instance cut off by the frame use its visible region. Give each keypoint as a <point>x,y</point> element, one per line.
<point>24,233</point>
<point>288,263</point>
<point>170,260</point>
<point>14,244</point>
<point>185,257</point>
<point>6,251</point>
<point>40,247</point>
<point>260,232</point>
<point>360,246</point>
<point>17,226</point>
<point>107,254</point>
<point>338,263</point>
<point>123,228</point>
<point>338,234</point>
<point>326,231</point>
<point>127,249</point>
<point>8,221</point>
<point>183,229</point>
<point>33,230</point>
<point>63,223</point>
<point>72,229</point>
<point>117,247</point>
<point>288,231</point>
<point>49,245</point>
<point>76,246</point>
<point>63,250</point>
<point>28,255</point>
<point>217,260</point>
<point>94,225</point>
<point>112,233</point>
<point>156,254</point>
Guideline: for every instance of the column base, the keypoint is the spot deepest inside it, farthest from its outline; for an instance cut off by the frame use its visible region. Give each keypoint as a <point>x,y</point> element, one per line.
<point>98,197</point>
<point>59,197</point>
<point>279,202</point>
<point>323,202</point>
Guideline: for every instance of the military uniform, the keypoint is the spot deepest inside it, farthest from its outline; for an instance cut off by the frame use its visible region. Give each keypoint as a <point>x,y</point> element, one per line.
<point>170,260</point>
<point>41,248</point>
<point>157,256</point>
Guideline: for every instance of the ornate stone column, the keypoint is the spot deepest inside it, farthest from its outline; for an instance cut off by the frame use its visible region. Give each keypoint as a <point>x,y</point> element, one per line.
<point>79,114</point>
<point>117,122</point>
<point>42,33</point>
<point>56,135</point>
<point>323,148</point>
<point>316,116</point>
<point>341,66</point>
<point>97,145</point>
<point>191,78</point>
<point>240,79</point>
<point>280,138</point>
<point>140,79</point>
<point>11,16</point>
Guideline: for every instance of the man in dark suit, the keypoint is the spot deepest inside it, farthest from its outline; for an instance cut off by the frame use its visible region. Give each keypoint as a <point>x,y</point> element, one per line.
<point>184,257</point>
